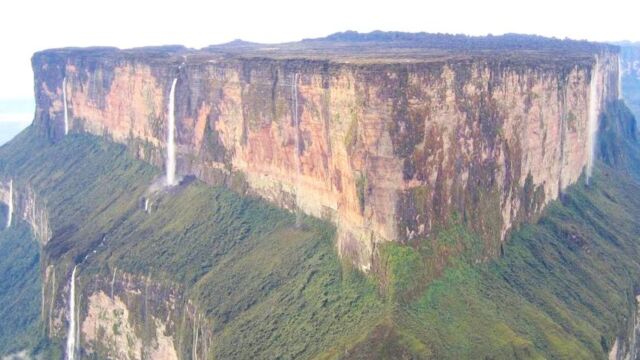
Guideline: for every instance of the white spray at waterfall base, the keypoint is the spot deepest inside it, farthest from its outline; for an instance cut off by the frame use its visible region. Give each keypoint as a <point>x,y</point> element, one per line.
<point>594,113</point>
<point>71,334</point>
<point>171,146</point>
<point>64,101</point>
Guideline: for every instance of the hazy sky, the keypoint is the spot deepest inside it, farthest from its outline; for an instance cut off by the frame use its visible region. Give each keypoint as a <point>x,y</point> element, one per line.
<point>29,25</point>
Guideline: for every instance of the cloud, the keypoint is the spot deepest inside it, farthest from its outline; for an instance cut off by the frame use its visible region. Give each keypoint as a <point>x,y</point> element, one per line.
<point>16,117</point>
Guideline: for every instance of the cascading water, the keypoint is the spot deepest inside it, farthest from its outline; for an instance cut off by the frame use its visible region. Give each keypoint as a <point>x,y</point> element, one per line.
<point>64,101</point>
<point>71,334</point>
<point>563,136</point>
<point>77,334</point>
<point>171,146</point>
<point>113,281</point>
<point>620,77</point>
<point>594,112</point>
<point>296,124</point>
<point>53,296</point>
<point>10,210</point>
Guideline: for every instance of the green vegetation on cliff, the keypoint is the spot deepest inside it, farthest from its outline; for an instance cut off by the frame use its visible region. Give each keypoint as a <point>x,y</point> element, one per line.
<point>19,288</point>
<point>267,288</point>
<point>563,287</point>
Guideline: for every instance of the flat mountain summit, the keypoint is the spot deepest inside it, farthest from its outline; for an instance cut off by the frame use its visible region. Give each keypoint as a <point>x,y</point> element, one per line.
<point>377,47</point>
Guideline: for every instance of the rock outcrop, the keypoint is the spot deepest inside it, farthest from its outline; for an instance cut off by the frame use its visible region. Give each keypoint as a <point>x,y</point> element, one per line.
<point>625,346</point>
<point>125,316</point>
<point>25,204</point>
<point>389,143</point>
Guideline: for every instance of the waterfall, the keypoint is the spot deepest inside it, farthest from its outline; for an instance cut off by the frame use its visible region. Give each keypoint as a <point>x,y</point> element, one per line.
<point>146,302</point>
<point>563,137</point>
<point>113,281</point>
<point>10,210</point>
<point>619,77</point>
<point>146,205</point>
<point>296,124</point>
<point>171,146</point>
<point>594,113</point>
<point>64,101</point>
<point>77,334</point>
<point>71,334</point>
<point>194,349</point>
<point>53,296</point>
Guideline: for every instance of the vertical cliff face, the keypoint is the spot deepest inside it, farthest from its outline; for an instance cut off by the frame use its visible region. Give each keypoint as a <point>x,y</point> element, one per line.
<point>132,317</point>
<point>388,150</point>
<point>26,205</point>
<point>625,346</point>
<point>6,198</point>
<point>125,316</point>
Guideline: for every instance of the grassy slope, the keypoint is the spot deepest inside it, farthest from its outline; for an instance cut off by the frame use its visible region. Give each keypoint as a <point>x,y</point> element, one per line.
<point>561,290</point>
<point>563,286</point>
<point>270,288</point>
<point>19,288</point>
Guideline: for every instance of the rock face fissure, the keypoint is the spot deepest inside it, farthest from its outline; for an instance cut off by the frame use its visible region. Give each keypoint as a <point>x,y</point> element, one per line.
<point>387,150</point>
<point>23,202</point>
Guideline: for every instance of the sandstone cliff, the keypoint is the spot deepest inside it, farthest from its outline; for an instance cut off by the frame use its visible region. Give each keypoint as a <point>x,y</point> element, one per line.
<point>24,204</point>
<point>389,144</point>
<point>128,317</point>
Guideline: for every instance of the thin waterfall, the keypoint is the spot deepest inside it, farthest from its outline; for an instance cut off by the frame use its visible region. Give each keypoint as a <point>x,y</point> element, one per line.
<point>113,281</point>
<point>634,336</point>
<point>563,137</point>
<point>10,214</point>
<point>77,335</point>
<point>53,296</point>
<point>171,146</point>
<point>71,334</point>
<point>594,112</point>
<point>194,349</point>
<point>146,303</point>
<point>620,77</point>
<point>64,101</point>
<point>296,124</point>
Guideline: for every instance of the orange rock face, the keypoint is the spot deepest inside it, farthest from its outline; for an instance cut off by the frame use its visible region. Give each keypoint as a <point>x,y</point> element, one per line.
<point>387,151</point>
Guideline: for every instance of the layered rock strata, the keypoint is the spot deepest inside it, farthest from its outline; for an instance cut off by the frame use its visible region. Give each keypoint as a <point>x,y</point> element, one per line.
<point>389,149</point>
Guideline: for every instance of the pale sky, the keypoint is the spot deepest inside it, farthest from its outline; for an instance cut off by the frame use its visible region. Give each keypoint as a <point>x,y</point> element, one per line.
<point>30,25</point>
